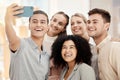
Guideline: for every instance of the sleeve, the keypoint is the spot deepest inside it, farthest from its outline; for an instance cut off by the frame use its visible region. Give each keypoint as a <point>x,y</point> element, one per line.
<point>19,49</point>
<point>115,58</point>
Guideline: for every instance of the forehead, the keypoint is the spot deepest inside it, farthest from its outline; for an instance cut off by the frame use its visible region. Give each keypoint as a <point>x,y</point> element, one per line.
<point>76,18</point>
<point>68,42</point>
<point>59,17</point>
<point>39,17</point>
<point>95,17</point>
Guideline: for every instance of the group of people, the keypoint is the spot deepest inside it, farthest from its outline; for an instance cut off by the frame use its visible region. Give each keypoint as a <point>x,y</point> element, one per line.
<point>50,54</point>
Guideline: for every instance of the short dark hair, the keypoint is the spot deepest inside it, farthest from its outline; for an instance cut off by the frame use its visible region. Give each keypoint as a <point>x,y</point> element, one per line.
<point>40,12</point>
<point>83,50</point>
<point>105,14</point>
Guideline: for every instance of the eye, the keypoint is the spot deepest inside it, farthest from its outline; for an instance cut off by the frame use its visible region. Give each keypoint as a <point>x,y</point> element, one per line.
<point>54,20</point>
<point>60,23</point>
<point>79,22</point>
<point>72,47</point>
<point>35,21</point>
<point>72,24</point>
<point>64,47</point>
<point>94,22</point>
<point>42,22</point>
<point>88,22</point>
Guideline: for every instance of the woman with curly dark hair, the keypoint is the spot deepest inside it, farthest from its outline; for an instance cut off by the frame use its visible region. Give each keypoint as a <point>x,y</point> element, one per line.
<point>73,53</point>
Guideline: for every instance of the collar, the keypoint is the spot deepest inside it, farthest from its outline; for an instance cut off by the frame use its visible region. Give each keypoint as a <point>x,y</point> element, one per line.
<point>32,43</point>
<point>49,38</point>
<point>91,41</point>
<point>101,44</point>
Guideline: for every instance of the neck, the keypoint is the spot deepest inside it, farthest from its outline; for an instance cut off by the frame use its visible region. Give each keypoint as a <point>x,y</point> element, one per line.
<point>71,65</point>
<point>51,34</point>
<point>38,41</point>
<point>99,38</point>
<point>86,36</point>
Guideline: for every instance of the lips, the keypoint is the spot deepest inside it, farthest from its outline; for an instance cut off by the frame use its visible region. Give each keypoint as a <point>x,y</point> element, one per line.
<point>38,29</point>
<point>67,55</point>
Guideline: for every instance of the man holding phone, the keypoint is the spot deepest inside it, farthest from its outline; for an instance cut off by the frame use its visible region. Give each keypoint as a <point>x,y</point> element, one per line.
<point>29,61</point>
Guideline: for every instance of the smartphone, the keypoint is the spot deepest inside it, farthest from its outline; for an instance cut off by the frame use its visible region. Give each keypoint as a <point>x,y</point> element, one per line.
<point>28,11</point>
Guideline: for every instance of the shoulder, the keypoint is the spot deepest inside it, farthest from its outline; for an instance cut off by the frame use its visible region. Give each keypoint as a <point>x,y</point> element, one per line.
<point>115,46</point>
<point>115,49</point>
<point>85,67</point>
<point>86,72</point>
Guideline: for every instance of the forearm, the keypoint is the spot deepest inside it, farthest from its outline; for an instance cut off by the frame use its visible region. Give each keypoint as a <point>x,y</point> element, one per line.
<point>9,29</point>
<point>10,32</point>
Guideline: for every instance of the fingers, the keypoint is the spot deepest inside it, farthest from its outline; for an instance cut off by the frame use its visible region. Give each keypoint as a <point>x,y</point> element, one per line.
<point>14,10</point>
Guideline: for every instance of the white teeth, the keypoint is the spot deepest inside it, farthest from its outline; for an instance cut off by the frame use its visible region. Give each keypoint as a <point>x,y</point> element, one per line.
<point>76,30</point>
<point>38,29</point>
<point>68,55</point>
<point>91,29</point>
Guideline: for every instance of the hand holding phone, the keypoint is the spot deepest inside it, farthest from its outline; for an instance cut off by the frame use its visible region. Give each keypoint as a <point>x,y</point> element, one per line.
<point>28,11</point>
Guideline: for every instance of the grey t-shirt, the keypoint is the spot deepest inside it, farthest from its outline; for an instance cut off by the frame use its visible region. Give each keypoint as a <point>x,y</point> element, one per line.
<point>28,63</point>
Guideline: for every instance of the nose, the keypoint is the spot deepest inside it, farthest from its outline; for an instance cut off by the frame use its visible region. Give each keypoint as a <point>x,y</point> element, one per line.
<point>75,24</point>
<point>67,49</point>
<point>55,24</point>
<point>89,24</point>
<point>38,24</point>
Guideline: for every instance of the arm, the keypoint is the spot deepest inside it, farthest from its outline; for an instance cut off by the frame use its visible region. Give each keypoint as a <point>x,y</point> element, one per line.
<point>14,41</point>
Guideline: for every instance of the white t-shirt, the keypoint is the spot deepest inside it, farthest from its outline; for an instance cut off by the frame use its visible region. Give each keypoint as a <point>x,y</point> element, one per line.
<point>47,43</point>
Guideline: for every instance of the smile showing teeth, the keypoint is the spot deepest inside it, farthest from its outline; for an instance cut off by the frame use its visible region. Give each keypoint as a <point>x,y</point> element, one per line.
<point>91,29</point>
<point>38,29</point>
<point>68,55</point>
<point>76,30</point>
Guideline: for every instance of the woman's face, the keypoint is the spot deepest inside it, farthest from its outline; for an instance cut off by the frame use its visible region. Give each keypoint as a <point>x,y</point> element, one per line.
<point>69,51</point>
<point>78,26</point>
<point>57,24</point>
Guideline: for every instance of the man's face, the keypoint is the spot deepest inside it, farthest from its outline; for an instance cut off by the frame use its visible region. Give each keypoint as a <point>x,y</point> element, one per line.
<point>38,25</point>
<point>96,26</point>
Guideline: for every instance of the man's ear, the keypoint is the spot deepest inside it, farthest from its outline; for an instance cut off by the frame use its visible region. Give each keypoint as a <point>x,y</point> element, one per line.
<point>107,25</point>
<point>29,26</point>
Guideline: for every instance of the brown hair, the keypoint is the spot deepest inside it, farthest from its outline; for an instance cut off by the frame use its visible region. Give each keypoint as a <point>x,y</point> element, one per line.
<point>105,14</point>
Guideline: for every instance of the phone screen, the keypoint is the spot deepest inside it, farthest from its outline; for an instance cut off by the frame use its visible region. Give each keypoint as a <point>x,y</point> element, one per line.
<point>28,11</point>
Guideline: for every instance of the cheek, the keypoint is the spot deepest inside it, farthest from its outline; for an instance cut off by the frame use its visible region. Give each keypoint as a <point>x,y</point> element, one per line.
<point>29,27</point>
<point>72,27</point>
<point>62,53</point>
<point>62,29</point>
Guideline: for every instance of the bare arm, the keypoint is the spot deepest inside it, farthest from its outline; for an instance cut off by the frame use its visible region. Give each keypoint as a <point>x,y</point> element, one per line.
<point>14,41</point>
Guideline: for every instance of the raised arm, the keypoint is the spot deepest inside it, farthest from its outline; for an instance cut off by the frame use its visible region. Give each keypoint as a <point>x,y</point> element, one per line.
<point>12,10</point>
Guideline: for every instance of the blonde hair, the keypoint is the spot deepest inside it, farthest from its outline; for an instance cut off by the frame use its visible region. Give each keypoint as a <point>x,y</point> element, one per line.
<point>81,16</point>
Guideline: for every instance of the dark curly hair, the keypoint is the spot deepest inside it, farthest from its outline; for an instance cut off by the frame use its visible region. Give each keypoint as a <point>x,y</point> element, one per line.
<point>83,50</point>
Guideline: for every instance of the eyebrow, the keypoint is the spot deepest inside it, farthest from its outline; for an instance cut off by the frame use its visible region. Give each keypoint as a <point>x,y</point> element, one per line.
<point>37,20</point>
<point>69,45</point>
<point>92,20</point>
<point>95,20</point>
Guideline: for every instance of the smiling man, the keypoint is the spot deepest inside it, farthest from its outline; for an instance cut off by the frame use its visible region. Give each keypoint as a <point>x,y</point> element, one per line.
<point>29,61</point>
<point>108,51</point>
